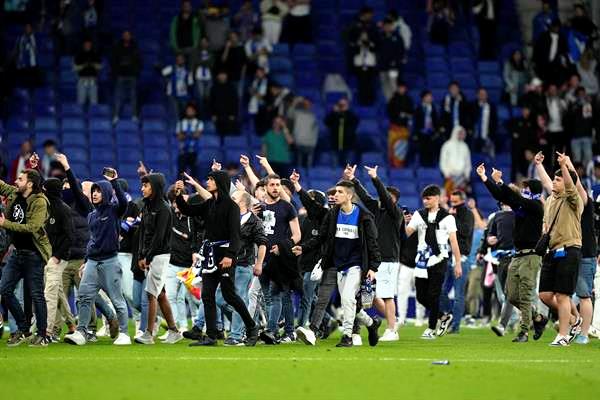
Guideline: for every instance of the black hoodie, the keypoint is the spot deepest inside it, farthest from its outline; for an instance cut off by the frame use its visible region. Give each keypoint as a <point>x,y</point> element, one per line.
<point>465,223</point>
<point>155,227</point>
<point>60,224</point>
<point>221,216</point>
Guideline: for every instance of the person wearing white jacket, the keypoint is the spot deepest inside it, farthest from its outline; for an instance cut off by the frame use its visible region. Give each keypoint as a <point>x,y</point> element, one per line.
<point>455,159</point>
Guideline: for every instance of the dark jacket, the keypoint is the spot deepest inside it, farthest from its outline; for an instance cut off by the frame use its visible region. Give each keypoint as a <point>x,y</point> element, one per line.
<point>419,120</point>
<point>390,52</point>
<point>183,240</point>
<point>345,139</point>
<point>367,231</point>
<point>408,253</point>
<point>476,115</point>
<point>309,229</point>
<point>502,226</point>
<point>105,221</point>
<point>155,228</point>
<point>128,228</point>
<point>580,119</point>
<point>126,61</point>
<point>463,112</point>
<point>400,109</point>
<point>465,222</point>
<point>252,234</point>
<point>223,100</point>
<point>388,219</point>
<point>221,217</point>
<point>79,207</point>
<point>60,224</point>
<point>529,215</point>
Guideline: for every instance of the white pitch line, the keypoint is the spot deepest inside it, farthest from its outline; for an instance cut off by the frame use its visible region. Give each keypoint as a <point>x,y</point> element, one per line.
<point>306,359</point>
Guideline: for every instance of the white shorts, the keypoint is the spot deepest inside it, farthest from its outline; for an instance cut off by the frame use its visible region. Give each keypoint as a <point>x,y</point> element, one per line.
<point>387,280</point>
<point>157,274</point>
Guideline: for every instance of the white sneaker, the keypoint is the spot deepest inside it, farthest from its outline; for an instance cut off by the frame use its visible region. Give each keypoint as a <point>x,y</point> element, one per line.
<point>103,331</point>
<point>146,338</point>
<point>429,334</point>
<point>445,322</point>
<point>122,340</point>
<point>164,336</point>
<point>306,336</point>
<point>138,333</point>
<point>75,338</point>
<point>594,332</point>
<point>389,336</point>
<point>173,337</point>
<point>400,322</point>
<point>356,339</point>
<point>560,341</point>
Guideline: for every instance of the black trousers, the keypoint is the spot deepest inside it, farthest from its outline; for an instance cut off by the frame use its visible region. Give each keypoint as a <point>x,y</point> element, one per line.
<point>210,282</point>
<point>429,290</point>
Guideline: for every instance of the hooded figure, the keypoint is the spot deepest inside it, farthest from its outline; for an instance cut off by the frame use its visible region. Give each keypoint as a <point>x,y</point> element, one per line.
<point>155,228</point>
<point>60,224</point>
<point>455,156</point>
<point>221,217</point>
<point>105,221</point>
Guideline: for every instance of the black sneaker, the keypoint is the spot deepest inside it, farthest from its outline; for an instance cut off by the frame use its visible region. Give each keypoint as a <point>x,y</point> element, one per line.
<point>252,336</point>
<point>499,330</point>
<point>575,329</point>
<point>522,337</point>
<point>220,335</point>
<point>445,322</point>
<point>345,341</point>
<point>233,342</point>
<point>91,337</point>
<point>194,334</point>
<point>39,341</point>
<point>205,341</point>
<point>268,338</point>
<point>373,332</point>
<point>539,325</point>
<point>18,338</point>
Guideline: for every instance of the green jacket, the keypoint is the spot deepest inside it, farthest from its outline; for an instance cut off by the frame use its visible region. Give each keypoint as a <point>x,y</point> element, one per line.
<point>36,216</point>
<point>196,32</point>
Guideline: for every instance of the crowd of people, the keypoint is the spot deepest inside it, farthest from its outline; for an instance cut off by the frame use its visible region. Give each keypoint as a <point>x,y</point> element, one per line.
<point>233,254</point>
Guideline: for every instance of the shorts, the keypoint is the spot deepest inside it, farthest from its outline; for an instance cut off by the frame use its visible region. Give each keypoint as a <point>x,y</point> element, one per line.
<point>559,275</point>
<point>157,274</point>
<point>387,280</point>
<point>585,278</point>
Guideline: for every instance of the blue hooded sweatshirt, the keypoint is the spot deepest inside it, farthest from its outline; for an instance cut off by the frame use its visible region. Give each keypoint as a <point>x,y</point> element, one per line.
<point>105,221</point>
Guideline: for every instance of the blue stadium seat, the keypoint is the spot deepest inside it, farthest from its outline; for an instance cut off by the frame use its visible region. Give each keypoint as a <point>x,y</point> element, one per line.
<point>209,141</point>
<point>407,187</point>
<point>280,64</point>
<point>438,79</point>
<point>232,154</point>
<point>320,184</point>
<point>100,124</point>
<point>76,154</point>
<point>281,49</point>
<point>71,110</point>
<point>429,173</point>
<point>102,155</point>
<point>73,124</point>
<point>489,67</point>
<point>46,123</point>
<point>156,139</point>
<point>490,81</point>
<point>286,80</point>
<point>99,110</point>
<point>82,169</point>
<point>16,138</point>
<point>153,111</point>
<point>467,81</point>
<point>129,139</point>
<point>44,110</point>
<point>434,50</point>
<point>462,65</point>
<point>235,141</point>
<point>129,155</point>
<point>369,127</point>
<point>101,139</point>
<point>42,136</point>
<point>153,156</point>
<point>365,112</point>
<point>436,64</point>
<point>460,49</point>
<point>44,95</point>
<point>319,172</point>
<point>372,159</point>
<point>154,125</point>
<point>304,51</point>
<point>70,139</point>
<point>412,202</point>
<point>126,126</point>
<point>402,173</point>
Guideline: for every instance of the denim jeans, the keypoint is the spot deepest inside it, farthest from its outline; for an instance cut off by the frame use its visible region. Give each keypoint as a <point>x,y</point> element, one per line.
<point>243,277</point>
<point>27,265</point>
<point>458,309</point>
<point>281,304</point>
<point>105,275</point>
<point>177,293</point>
<point>12,323</point>
<point>125,87</point>
<point>140,303</point>
<point>581,150</point>
<point>308,298</point>
<point>87,91</point>
<point>304,156</point>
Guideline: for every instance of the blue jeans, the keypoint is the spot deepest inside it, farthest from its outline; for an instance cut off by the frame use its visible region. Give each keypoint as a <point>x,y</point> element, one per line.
<point>12,323</point>
<point>308,298</point>
<point>199,321</point>
<point>87,90</point>
<point>450,281</point>
<point>140,302</point>
<point>243,276</point>
<point>281,303</point>
<point>125,87</point>
<point>27,265</point>
<point>105,275</point>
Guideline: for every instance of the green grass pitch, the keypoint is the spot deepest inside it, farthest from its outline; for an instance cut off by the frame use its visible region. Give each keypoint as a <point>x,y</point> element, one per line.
<point>482,366</point>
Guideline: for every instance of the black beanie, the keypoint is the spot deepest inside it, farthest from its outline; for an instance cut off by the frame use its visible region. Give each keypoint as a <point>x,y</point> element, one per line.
<point>53,187</point>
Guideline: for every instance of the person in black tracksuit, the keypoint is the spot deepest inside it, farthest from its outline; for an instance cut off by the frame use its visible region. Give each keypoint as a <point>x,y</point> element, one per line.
<point>309,228</point>
<point>316,211</point>
<point>60,232</point>
<point>221,216</point>
<point>154,254</point>
<point>390,225</point>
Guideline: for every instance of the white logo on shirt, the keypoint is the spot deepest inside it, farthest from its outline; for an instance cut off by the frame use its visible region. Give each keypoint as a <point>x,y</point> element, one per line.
<point>269,222</point>
<point>346,231</point>
<point>18,214</point>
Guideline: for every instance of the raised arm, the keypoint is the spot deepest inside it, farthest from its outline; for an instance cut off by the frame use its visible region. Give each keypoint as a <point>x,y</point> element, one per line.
<point>183,206</point>
<point>384,196</point>
<point>203,193</point>
<point>314,210</point>
<point>120,195</point>
<point>245,163</point>
<point>580,189</point>
<point>563,161</point>
<point>541,171</point>
<point>82,203</point>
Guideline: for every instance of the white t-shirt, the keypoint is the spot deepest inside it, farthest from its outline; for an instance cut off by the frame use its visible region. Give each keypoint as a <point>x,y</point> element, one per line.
<point>446,227</point>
